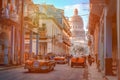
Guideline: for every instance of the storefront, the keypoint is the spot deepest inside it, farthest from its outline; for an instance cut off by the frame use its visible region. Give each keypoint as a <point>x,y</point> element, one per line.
<point>9,42</point>
<point>3,48</point>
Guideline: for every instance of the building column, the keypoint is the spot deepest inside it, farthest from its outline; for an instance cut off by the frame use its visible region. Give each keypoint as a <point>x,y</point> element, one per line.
<point>30,51</point>
<point>37,44</point>
<point>16,47</point>
<point>118,36</point>
<point>12,45</point>
<point>96,36</point>
<point>6,49</point>
<point>108,46</point>
<point>101,48</point>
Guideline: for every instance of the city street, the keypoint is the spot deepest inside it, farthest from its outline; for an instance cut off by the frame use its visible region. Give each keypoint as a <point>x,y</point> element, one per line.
<point>61,72</point>
<point>36,35</point>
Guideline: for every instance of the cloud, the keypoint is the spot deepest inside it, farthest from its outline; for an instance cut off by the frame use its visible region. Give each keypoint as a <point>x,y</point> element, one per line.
<point>80,7</point>
<point>83,11</point>
<point>72,7</point>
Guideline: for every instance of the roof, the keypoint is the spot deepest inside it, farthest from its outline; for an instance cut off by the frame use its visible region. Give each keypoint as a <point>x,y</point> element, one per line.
<point>76,17</point>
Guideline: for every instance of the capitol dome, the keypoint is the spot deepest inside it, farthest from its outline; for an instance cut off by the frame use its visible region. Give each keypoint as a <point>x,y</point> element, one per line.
<point>76,24</point>
<point>76,18</point>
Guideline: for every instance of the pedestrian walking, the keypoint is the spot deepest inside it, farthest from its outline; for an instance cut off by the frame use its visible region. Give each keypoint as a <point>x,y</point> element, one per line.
<point>90,60</point>
<point>68,57</point>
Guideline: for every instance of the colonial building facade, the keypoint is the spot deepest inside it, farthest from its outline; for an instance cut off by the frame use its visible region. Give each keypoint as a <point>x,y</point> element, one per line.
<point>10,31</point>
<point>31,29</point>
<point>77,30</point>
<point>56,37</point>
<point>103,28</point>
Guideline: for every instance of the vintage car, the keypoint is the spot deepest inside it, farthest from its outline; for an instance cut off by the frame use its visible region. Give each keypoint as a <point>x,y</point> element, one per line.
<point>78,61</point>
<point>60,59</point>
<point>39,65</point>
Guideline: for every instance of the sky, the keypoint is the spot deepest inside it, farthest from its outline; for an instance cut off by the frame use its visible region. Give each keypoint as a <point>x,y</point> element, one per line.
<point>68,6</point>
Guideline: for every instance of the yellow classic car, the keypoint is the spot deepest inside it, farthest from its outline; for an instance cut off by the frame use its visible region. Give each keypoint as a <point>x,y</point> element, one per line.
<point>39,65</point>
<point>59,59</point>
<point>78,61</point>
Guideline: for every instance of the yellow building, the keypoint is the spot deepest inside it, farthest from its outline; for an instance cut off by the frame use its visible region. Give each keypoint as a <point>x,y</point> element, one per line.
<point>57,30</point>
<point>10,31</point>
<point>31,26</point>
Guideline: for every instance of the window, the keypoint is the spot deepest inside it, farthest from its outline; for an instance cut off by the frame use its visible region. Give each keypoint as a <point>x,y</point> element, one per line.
<point>44,26</point>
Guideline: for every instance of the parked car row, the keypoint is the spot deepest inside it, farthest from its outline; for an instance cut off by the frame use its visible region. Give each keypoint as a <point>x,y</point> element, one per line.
<point>61,60</point>
<point>78,61</point>
<point>48,64</point>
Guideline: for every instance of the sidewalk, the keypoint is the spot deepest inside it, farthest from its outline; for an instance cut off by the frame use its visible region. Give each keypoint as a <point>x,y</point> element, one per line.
<point>112,77</point>
<point>93,73</point>
<point>4,67</point>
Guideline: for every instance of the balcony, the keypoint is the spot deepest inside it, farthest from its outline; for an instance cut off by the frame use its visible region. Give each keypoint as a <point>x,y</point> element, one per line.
<point>66,40</point>
<point>43,32</point>
<point>7,14</point>
<point>9,18</point>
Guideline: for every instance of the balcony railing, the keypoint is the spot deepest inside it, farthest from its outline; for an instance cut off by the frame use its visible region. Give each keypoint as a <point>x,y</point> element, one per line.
<point>5,13</point>
<point>43,34</point>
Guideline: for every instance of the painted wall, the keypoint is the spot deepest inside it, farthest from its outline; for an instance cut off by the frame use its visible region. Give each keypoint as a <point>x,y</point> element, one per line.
<point>108,39</point>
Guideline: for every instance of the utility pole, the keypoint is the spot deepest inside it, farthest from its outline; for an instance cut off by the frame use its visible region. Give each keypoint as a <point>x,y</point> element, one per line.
<point>22,33</point>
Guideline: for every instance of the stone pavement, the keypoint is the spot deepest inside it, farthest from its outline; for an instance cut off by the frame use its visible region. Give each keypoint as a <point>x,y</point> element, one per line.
<point>94,74</point>
<point>90,73</point>
<point>111,77</point>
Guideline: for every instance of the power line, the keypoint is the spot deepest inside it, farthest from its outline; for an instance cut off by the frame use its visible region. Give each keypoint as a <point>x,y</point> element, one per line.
<point>84,14</point>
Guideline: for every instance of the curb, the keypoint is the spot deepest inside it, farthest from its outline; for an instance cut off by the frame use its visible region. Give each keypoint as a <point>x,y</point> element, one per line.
<point>11,67</point>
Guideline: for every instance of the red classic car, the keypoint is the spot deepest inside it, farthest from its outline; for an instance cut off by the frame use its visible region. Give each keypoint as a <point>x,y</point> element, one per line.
<point>39,65</point>
<point>59,59</point>
<point>78,61</point>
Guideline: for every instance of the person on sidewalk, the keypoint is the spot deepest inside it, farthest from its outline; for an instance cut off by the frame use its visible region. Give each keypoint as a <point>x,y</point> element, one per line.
<point>90,60</point>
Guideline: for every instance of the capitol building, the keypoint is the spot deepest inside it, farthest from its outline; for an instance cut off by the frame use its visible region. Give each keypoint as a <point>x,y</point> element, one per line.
<point>77,29</point>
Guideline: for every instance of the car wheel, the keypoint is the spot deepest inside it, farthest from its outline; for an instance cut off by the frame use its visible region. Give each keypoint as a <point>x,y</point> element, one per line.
<point>71,64</point>
<point>29,70</point>
<point>52,68</point>
<point>84,65</point>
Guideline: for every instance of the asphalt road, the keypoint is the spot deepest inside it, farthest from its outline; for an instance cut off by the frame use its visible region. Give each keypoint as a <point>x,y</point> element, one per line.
<point>61,72</point>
